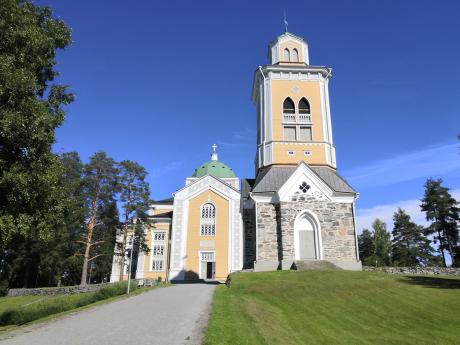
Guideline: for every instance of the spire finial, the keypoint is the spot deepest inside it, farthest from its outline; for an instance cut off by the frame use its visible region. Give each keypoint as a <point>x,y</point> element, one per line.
<point>214,153</point>
<point>285,22</point>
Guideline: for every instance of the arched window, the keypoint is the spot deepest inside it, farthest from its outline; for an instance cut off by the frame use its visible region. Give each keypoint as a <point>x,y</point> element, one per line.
<point>208,220</point>
<point>295,55</point>
<point>288,106</point>
<point>304,106</point>
<point>287,55</point>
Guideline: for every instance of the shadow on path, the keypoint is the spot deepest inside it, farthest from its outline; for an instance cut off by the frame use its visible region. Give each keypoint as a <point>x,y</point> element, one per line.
<point>433,282</point>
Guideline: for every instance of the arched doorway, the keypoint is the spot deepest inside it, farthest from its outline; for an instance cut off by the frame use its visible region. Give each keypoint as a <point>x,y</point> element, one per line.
<point>307,237</point>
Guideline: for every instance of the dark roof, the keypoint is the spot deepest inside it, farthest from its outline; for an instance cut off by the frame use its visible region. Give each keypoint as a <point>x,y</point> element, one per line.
<point>246,187</point>
<point>271,179</point>
<point>163,215</point>
<point>168,201</point>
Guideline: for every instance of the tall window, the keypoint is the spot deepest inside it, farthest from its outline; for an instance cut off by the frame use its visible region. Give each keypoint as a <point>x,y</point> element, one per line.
<point>295,55</point>
<point>304,106</point>
<point>289,133</point>
<point>304,133</point>
<point>208,220</point>
<point>288,106</point>
<point>287,55</point>
<point>158,251</point>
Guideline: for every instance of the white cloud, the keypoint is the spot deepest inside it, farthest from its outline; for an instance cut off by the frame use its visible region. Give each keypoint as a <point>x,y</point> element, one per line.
<point>431,161</point>
<point>167,168</point>
<point>365,216</point>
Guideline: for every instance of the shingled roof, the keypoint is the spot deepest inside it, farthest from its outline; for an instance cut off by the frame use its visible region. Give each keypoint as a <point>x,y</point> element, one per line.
<point>272,178</point>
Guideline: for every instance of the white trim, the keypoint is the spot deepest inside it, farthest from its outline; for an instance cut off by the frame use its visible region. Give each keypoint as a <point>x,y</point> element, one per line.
<point>303,172</point>
<point>158,242</point>
<point>214,219</point>
<point>199,261</point>
<point>313,219</point>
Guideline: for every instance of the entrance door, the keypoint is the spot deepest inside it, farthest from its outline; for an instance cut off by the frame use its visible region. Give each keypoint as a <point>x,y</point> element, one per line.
<point>210,270</point>
<point>208,265</point>
<point>306,239</point>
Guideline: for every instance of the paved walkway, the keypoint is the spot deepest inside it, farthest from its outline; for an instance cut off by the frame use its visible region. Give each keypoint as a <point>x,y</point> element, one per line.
<point>172,315</point>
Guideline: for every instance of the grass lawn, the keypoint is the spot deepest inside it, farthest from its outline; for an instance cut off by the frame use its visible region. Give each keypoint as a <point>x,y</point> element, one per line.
<point>335,307</point>
<point>22,301</point>
<point>25,309</point>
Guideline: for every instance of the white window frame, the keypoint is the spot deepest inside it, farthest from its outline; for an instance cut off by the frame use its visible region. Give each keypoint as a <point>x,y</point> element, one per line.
<point>214,224</point>
<point>159,238</point>
<point>199,260</point>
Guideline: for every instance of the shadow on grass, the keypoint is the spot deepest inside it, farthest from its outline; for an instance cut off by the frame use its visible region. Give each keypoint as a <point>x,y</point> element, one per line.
<point>432,282</point>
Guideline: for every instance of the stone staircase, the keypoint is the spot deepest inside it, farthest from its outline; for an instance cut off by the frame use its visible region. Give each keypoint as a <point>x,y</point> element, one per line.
<point>303,265</point>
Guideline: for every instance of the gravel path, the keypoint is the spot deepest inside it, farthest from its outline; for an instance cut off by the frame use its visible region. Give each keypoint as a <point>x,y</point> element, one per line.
<point>172,315</point>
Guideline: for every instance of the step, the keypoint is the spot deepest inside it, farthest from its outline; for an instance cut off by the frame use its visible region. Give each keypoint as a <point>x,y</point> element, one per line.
<point>303,265</point>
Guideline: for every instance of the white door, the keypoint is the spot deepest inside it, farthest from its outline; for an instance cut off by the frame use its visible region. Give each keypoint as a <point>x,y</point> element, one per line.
<point>306,239</point>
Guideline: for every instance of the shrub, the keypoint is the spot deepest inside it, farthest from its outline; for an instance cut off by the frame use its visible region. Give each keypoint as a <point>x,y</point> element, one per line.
<point>23,314</point>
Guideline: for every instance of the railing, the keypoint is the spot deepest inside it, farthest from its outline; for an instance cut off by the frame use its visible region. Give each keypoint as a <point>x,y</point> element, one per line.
<point>289,118</point>
<point>300,118</point>
<point>304,118</point>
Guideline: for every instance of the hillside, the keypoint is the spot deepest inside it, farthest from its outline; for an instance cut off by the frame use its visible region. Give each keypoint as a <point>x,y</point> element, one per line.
<point>335,307</point>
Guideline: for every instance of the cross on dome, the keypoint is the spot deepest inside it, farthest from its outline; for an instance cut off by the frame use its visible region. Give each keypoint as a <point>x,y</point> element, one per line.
<point>214,153</point>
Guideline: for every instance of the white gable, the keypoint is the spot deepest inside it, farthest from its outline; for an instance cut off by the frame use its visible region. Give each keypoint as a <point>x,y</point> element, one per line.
<point>305,182</point>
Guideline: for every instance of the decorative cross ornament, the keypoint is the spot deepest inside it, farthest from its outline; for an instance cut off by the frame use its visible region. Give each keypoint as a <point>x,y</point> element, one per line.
<point>214,147</point>
<point>304,187</point>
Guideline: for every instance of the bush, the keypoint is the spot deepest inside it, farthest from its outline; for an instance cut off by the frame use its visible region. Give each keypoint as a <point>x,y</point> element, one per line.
<point>23,314</point>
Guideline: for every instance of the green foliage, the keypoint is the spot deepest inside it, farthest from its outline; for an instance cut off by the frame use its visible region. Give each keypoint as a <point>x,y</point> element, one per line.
<point>31,196</point>
<point>376,245</point>
<point>23,314</point>
<point>334,307</point>
<point>442,210</point>
<point>365,244</point>
<point>134,198</point>
<point>410,247</point>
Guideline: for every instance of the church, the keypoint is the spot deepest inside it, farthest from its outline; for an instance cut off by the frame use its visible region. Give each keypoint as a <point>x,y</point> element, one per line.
<point>297,210</point>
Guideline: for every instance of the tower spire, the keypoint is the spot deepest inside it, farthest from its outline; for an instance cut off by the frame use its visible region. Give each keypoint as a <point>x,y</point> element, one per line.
<point>285,22</point>
<point>214,153</point>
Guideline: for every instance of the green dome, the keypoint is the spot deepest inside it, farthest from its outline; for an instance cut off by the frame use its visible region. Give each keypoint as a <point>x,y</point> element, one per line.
<point>214,168</point>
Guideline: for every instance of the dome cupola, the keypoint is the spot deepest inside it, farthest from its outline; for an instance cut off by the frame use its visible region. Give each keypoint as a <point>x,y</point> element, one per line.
<point>214,167</point>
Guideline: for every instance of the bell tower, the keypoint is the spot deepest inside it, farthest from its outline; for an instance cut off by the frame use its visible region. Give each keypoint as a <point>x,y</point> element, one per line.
<point>293,114</point>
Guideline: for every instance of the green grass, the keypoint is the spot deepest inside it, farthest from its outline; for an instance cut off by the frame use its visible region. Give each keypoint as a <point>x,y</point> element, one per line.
<point>335,307</point>
<point>25,309</point>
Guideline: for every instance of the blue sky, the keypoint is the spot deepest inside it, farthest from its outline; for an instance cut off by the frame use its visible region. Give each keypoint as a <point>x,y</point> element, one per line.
<point>160,82</point>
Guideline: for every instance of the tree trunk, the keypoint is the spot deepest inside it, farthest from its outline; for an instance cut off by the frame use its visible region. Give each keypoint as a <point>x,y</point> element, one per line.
<point>89,238</point>
<point>125,233</point>
<point>441,245</point>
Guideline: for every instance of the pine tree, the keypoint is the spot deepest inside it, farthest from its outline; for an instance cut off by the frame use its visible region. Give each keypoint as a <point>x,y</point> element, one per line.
<point>410,247</point>
<point>100,186</point>
<point>134,197</point>
<point>441,209</point>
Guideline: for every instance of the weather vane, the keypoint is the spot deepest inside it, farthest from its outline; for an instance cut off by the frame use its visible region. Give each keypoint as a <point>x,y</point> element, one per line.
<point>285,22</point>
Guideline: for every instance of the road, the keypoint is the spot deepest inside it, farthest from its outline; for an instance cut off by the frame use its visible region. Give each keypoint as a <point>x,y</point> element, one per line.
<point>171,315</point>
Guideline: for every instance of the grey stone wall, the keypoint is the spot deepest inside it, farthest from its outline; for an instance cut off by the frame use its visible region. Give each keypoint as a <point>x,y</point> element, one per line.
<point>448,271</point>
<point>249,221</point>
<point>336,223</point>
<point>267,232</point>
<point>51,291</point>
<point>275,226</point>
